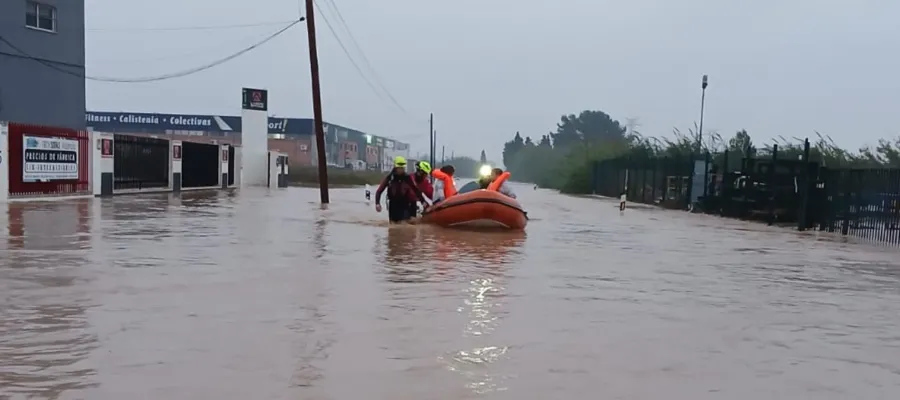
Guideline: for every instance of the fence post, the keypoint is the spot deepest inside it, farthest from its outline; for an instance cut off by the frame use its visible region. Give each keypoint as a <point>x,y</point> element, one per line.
<point>654,180</point>
<point>803,218</point>
<point>846,203</point>
<point>643,183</point>
<point>625,188</point>
<point>706,175</point>
<point>690,183</point>
<point>769,180</point>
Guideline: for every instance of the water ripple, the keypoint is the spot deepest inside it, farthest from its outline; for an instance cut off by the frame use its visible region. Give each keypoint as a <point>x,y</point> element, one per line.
<point>266,295</point>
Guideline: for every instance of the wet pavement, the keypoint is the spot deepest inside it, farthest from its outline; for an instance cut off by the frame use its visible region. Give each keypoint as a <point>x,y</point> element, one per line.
<point>266,296</point>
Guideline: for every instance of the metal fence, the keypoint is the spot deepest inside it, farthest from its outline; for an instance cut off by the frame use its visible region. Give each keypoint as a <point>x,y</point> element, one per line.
<point>784,188</point>
<point>661,181</point>
<point>21,187</point>
<point>864,203</point>
<point>140,163</point>
<point>858,202</point>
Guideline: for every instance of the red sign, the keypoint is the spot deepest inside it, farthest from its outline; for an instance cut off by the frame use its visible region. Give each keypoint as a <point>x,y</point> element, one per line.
<point>106,147</point>
<point>176,152</point>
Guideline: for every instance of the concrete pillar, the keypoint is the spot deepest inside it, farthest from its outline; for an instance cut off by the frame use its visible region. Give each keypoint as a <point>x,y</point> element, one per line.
<point>223,165</point>
<point>175,155</point>
<point>4,162</point>
<point>255,137</point>
<point>102,163</point>
<point>238,166</point>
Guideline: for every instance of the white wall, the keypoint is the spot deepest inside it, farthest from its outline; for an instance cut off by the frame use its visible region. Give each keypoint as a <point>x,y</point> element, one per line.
<point>100,164</point>
<point>255,144</point>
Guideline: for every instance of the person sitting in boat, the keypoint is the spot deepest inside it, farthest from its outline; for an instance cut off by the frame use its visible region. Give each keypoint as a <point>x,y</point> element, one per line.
<point>444,186</point>
<point>499,177</point>
<point>402,193</point>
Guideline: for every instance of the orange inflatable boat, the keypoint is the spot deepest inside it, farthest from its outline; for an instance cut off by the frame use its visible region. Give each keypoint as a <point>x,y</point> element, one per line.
<point>477,209</point>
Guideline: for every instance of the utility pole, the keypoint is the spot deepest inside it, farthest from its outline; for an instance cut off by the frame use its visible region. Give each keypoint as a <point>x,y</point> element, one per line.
<point>317,101</point>
<point>431,140</point>
<point>443,148</point>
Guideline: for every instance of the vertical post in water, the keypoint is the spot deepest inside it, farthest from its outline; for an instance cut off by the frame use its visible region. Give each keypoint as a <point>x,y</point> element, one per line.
<point>804,187</point>
<point>770,184</point>
<point>431,140</point>
<point>317,101</point>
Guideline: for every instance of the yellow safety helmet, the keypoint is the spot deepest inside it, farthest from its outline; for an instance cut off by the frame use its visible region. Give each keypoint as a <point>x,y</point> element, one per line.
<point>424,166</point>
<point>399,161</point>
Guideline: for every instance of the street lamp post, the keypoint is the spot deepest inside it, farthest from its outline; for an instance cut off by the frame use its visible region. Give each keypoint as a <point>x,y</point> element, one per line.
<point>702,105</point>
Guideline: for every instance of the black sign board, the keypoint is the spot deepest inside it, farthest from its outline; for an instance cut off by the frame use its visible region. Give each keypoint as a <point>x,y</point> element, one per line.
<point>255,99</point>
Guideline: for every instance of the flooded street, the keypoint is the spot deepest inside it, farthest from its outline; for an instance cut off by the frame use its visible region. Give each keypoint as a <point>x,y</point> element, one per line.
<point>263,295</point>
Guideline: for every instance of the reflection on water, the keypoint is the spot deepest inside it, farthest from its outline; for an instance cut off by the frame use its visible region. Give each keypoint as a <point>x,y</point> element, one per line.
<point>265,295</point>
<point>44,331</point>
<point>417,243</point>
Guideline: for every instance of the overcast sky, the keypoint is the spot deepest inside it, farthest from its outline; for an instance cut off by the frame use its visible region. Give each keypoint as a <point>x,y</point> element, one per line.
<point>489,68</point>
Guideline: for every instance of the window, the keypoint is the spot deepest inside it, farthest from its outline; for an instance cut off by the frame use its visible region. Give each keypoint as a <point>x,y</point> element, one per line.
<point>40,16</point>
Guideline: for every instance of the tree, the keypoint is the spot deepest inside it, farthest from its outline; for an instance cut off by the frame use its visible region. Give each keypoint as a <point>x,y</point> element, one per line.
<point>563,159</point>
<point>740,143</point>
<point>483,157</point>
<point>589,127</point>
<point>511,148</point>
<point>545,141</point>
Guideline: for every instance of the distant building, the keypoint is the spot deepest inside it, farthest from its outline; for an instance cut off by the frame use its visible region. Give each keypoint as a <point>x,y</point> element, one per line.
<point>344,147</point>
<point>42,65</point>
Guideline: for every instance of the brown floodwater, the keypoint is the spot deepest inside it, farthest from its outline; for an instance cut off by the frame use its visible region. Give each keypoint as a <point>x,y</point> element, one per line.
<point>263,295</point>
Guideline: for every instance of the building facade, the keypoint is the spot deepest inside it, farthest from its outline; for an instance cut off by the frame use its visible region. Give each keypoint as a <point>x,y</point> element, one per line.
<point>344,147</point>
<point>42,62</point>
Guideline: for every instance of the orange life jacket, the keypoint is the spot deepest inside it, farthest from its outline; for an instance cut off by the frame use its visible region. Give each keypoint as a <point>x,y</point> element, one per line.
<point>449,185</point>
<point>495,185</point>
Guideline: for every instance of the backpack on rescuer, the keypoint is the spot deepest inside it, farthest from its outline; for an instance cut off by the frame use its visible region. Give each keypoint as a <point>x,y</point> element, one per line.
<point>398,186</point>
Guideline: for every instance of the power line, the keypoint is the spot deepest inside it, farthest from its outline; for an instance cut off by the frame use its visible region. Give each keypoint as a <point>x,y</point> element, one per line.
<point>153,78</point>
<point>215,52</point>
<point>347,53</point>
<point>354,43</point>
<point>356,66</point>
<point>189,28</point>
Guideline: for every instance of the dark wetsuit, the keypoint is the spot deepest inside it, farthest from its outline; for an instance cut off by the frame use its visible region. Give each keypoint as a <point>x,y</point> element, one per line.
<point>425,187</point>
<point>402,194</point>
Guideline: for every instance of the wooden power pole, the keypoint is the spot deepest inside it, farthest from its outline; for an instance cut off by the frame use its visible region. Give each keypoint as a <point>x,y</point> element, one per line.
<point>317,101</point>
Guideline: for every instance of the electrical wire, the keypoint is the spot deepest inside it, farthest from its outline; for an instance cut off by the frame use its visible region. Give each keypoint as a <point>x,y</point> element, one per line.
<point>215,51</point>
<point>173,75</point>
<point>390,98</point>
<point>190,28</point>
<point>362,54</point>
<point>347,53</point>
